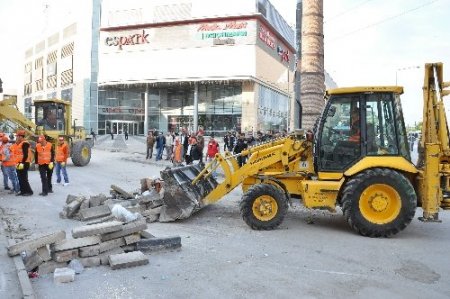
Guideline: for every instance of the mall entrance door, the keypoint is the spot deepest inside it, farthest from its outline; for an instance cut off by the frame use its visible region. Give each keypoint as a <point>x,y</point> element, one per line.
<point>120,126</point>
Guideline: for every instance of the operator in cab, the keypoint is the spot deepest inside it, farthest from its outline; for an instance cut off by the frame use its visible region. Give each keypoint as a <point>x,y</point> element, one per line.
<point>355,129</point>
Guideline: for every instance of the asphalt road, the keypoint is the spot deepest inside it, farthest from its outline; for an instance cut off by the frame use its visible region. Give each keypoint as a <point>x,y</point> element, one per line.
<point>313,254</point>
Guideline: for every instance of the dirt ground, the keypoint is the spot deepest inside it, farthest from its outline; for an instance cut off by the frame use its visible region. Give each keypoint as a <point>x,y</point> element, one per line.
<point>313,254</point>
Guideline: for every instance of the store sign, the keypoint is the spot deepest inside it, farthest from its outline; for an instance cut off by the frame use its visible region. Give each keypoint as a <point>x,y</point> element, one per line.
<point>228,41</point>
<point>266,36</point>
<point>222,30</point>
<point>132,39</point>
<point>122,110</point>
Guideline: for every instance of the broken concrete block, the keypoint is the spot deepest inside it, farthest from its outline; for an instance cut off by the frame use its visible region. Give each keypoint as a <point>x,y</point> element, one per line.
<point>32,260</point>
<point>146,234</point>
<point>93,261</point>
<point>71,198</point>
<point>150,212</point>
<point>95,212</point>
<point>127,229</point>
<point>108,245</point>
<point>84,204</point>
<point>100,220</point>
<point>73,207</point>
<point>44,253</point>
<point>130,259</point>
<point>133,238</point>
<point>154,244</point>
<point>49,267</point>
<point>63,275</point>
<point>96,229</point>
<point>89,251</point>
<point>30,245</point>
<point>129,248</point>
<point>75,243</point>
<point>105,255</point>
<point>65,256</point>
<point>123,193</point>
<point>97,200</point>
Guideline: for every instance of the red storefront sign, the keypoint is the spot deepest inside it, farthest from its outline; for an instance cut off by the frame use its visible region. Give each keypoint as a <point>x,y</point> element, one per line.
<point>132,39</point>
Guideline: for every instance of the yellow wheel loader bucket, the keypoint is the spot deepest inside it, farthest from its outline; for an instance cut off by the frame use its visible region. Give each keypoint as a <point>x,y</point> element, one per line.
<point>182,198</point>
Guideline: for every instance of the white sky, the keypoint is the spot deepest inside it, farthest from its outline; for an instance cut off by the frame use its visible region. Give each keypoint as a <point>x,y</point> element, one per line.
<point>367,42</point>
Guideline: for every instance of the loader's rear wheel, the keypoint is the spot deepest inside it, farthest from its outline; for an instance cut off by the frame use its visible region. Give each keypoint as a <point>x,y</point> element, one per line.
<point>81,153</point>
<point>379,202</point>
<point>263,207</point>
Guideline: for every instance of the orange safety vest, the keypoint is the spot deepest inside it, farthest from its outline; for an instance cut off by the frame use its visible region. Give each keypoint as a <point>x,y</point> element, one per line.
<point>62,153</point>
<point>1,151</point>
<point>12,159</point>
<point>177,152</point>
<point>18,152</point>
<point>44,153</point>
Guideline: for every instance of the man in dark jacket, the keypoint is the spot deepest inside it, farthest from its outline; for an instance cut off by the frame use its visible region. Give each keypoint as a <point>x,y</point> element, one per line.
<point>240,146</point>
<point>160,144</point>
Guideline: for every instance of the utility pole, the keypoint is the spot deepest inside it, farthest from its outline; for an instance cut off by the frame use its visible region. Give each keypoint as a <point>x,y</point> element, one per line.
<point>312,77</point>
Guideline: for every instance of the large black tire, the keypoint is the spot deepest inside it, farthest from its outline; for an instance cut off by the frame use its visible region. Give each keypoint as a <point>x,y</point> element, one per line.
<point>80,153</point>
<point>263,207</point>
<point>378,202</point>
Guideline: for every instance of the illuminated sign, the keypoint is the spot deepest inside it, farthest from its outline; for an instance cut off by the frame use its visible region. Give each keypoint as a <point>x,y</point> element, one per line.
<point>132,39</point>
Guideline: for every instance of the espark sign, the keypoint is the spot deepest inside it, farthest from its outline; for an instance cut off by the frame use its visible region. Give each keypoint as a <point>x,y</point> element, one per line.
<point>132,39</point>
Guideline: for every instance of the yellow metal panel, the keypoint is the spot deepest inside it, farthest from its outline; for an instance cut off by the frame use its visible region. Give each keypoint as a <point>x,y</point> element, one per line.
<point>362,89</point>
<point>398,163</point>
<point>330,176</point>
<point>320,194</point>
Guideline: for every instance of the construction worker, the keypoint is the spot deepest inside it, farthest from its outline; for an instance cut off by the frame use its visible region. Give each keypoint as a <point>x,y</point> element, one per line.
<point>45,156</point>
<point>22,154</point>
<point>9,164</point>
<point>62,154</point>
<point>355,132</point>
<point>5,175</point>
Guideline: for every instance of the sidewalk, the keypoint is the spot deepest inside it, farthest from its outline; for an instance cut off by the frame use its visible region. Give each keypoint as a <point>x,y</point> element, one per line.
<point>9,281</point>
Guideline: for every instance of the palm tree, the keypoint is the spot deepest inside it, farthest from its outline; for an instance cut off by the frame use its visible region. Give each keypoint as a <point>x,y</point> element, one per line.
<point>312,84</point>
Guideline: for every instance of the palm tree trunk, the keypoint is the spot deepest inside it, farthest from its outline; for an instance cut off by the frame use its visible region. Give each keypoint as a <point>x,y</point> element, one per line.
<point>312,84</point>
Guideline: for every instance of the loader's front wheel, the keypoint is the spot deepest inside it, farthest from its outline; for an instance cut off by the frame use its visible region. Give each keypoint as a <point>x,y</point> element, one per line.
<point>263,207</point>
<point>81,153</point>
<point>379,202</point>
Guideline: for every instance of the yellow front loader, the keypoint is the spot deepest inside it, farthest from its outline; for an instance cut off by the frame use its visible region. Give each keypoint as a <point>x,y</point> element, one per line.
<point>53,118</point>
<point>358,158</point>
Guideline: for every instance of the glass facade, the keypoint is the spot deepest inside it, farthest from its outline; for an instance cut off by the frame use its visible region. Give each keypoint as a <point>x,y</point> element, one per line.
<point>272,110</point>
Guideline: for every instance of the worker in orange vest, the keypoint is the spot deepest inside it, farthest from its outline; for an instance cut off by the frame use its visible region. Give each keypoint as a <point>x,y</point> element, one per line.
<point>62,154</point>
<point>5,175</point>
<point>9,163</point>
<point>44,156</point>
<point>22,154</point>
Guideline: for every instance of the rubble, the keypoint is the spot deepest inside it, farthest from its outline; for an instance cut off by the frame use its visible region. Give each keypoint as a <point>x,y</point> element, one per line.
<point>148,202</point>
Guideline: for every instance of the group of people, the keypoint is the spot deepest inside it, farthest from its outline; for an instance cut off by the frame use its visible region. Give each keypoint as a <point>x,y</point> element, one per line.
<point>180,148</point>
<point>16,157</point>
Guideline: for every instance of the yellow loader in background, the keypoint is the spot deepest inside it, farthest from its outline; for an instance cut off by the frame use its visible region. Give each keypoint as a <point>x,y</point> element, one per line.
<point>53,118</point>
<point>358,158</point>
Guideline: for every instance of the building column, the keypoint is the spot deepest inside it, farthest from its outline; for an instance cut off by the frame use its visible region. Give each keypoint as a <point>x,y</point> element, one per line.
<point>146,111</point>
<point>195,107</point>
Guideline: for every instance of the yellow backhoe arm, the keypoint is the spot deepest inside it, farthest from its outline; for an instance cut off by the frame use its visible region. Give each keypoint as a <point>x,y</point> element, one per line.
<point>9,112</point>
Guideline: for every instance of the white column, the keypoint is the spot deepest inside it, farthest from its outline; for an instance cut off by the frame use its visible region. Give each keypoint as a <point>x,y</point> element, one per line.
<point>195,106</point>
<point>146,112</point>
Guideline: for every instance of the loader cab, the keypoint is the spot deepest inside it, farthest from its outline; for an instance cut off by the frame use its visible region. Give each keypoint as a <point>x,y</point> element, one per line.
<point>360,122</point>
<point>50,115</point>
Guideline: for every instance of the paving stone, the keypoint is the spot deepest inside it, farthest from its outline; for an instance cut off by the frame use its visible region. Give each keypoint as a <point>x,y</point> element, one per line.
<point>97,200</point>
<point>105,255</point>
<point>73,207</point>
<point>95,212</point>
<point>75,243</point>
<point>30,245</point>
<point>70,198</point>
<point>63,275</point>
<point>154,244</point>
<point>49,267</point>
<point>129,248</point>
<point>32,260</point>
<point>108,245</point>
<point>125,260</point>
<point>100,220</point>
<point>127,229</point>
<point>89,251</point>
<point>44,253</point>
<point>90,261</point>
<point>122,192</point>
<point>133,238</point>
<point>96,229</point>
<point>65,256</point>
<point>85,204</point>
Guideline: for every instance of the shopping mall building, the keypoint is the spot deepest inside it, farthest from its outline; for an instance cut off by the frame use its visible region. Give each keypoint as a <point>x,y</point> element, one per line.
<point>164,65</point>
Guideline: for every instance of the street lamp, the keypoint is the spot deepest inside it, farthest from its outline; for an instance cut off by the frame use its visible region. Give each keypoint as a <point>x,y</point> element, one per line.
<point>404,69</point>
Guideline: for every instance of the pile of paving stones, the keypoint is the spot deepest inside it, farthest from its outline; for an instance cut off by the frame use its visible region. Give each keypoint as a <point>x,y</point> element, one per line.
<point>114,243</point>
<point>146,202</point>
